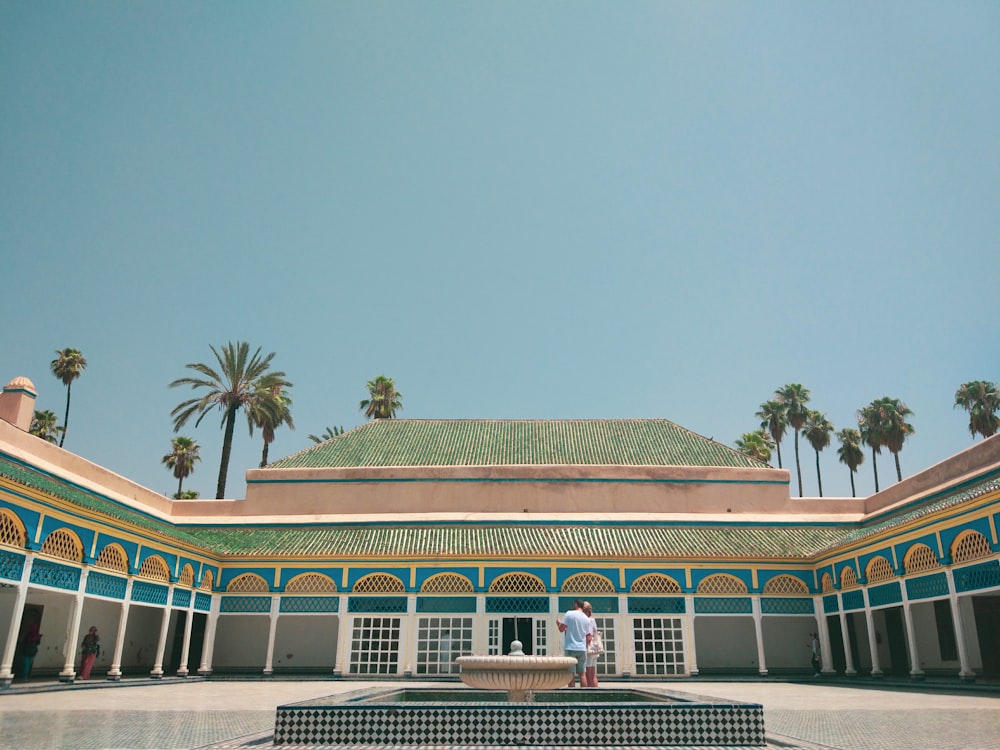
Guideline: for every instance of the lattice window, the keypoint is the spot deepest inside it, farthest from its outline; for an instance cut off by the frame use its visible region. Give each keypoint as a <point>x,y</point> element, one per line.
<point>720,583</point>
<point>12,531</point>
<point>379,583</point>
<point>311,583</point>
<point>879,569</point>
<point>655,583</point>
<point>919,558</point>
<point>186,577</point>
<point>493,637</point>
<point>786,585</point>
<point>848,578</point>
<point>970,545</point>
<point>113,557</point>
<point>155,568</point>
<point>440,640</point>
<point>659,646</point>
<point>375,645</point>
<point>207,580</point>
<point>447,583</point>
<point>64,544</point>
<point>587,583</point>
<point>826,583</point>
<point>247,583</point>
<point>517,583</point>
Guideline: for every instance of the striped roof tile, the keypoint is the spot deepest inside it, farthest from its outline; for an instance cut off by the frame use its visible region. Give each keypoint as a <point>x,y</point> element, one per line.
<point>496,442</point>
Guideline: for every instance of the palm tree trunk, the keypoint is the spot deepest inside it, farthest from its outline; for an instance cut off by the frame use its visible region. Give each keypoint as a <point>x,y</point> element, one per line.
<point>798,466</point>
<point>777,444</point>
<point>853,493</point>
<point>180,481</point>
<point>65,418</point>
<point>819,477</point>
<point>227,449</point>
<point>875,468</point>
<point>899,472</point>
<point>263,456</point>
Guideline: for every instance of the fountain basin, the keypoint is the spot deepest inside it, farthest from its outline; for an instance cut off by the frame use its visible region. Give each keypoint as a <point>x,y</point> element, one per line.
<point>560,718</point>
<point>520,675</point>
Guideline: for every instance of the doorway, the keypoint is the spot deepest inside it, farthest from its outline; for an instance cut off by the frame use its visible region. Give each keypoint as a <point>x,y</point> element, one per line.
<point>987,613</point>
<point>32,615</point>
<point>899,655</point>
<point>518,629</point>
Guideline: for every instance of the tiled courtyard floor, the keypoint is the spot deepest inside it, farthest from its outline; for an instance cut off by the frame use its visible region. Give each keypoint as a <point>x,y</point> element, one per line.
<point>218,714</point>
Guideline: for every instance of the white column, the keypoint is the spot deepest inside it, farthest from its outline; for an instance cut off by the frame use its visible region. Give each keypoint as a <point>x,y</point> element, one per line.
<point>691,646</point>
<point>208,647</point>
<point>758,630</point>
<point>161,644</point>
<point>845,636</point>
<point>272,629</point>
<point>182,669</point>
<point>115,673</point>
<point>965,670</point>
<point>916,672</point>
<point>343,639</point>
<point>68,673</point>
<point>823,630</point>
<point>872,640</point>
<point>14,629</point>
<point>408,636</point>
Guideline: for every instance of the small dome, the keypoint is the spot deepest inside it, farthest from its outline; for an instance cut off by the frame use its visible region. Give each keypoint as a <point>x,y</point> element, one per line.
<point>21,383</point>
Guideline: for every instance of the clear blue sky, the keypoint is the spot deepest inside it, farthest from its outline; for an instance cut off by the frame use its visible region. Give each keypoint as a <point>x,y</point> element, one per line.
<point>515,209</point>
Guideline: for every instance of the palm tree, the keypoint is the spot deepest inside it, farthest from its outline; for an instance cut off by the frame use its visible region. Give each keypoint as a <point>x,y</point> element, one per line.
<point>895,428</point>
<point>184,454</point>
<point>231,388</point>
<point>870,427</point>
<point>328,434</point>
<point>756,445</point>
<point>383,399</point>
<point>774,419</point>
<point>68,366</point>
<point>45,424</point>
<point>817,431</point>
<point>982,400</point>
<point>850,452</point>
<point>795,396</point>
<point>269,409</point>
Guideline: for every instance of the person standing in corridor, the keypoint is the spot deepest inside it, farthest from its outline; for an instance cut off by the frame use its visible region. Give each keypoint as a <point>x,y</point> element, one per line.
<point>91,650</point>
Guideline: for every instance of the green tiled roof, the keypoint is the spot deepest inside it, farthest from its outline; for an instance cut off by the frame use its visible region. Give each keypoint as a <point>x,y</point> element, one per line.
<point>488,541</point>
<point>508,442</point>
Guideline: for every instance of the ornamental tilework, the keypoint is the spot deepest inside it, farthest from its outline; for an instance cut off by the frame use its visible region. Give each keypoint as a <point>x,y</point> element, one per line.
<point>656,605</point>
<point>182,598</point>
<point>245,604</point>
<point>830,604</point>
<point>432,604</point>
<point>102,584</point>
<point>522,725</point>
<point>602,605</point>
<point>889,593</point>
<point>202,602</point>
<point>723,605</point>
<point>784,605</point>
<point>983,576</point>
<point>927,587</point>
<point>536,605</point>
<point>376,604</point>
<point>11,565</point>
<point>854,600</point>
<point>47,573</point>
<point>307,604</point>
<point>149,593</point>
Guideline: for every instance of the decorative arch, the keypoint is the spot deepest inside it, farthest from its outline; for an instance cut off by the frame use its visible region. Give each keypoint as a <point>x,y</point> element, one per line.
<point>786,585</point>
<point>970,545</point>
<point>517,583</point>
<point>826,583</point>
<point>155,568</point>
<point>12,531</point>
<point>379,583</point>
<point>588,583</point>
<point>879,569</point>
<point>64,544</point>
<point>247,583</point>
<point>848,578</point>
<point>722,583</point>
<point>113,557</point>
<point>207,581</point>
<point>655,583</point>
<point>919,558</point>
<point>447,583</point>
<point>186,578</point>
<point>311,583</point>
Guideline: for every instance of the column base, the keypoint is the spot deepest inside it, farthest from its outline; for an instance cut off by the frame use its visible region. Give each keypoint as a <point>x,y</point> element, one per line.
<point>917,676</point>
<point>204,672</point>
<point>67,676</point>
<point>156,674</point>
<point>967,677</point>
<point>182,673</point>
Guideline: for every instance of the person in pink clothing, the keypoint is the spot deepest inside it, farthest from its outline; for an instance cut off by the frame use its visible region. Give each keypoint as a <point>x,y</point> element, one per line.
<point>91,649</point>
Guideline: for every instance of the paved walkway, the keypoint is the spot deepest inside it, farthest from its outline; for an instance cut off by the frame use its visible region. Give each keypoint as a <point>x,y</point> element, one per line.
<point>228,714</point>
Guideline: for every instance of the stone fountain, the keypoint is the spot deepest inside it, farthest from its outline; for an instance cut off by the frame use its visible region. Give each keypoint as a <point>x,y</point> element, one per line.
<point>518,674</point>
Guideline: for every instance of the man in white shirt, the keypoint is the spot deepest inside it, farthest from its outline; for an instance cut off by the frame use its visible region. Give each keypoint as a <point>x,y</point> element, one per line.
<point>575,625</point>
